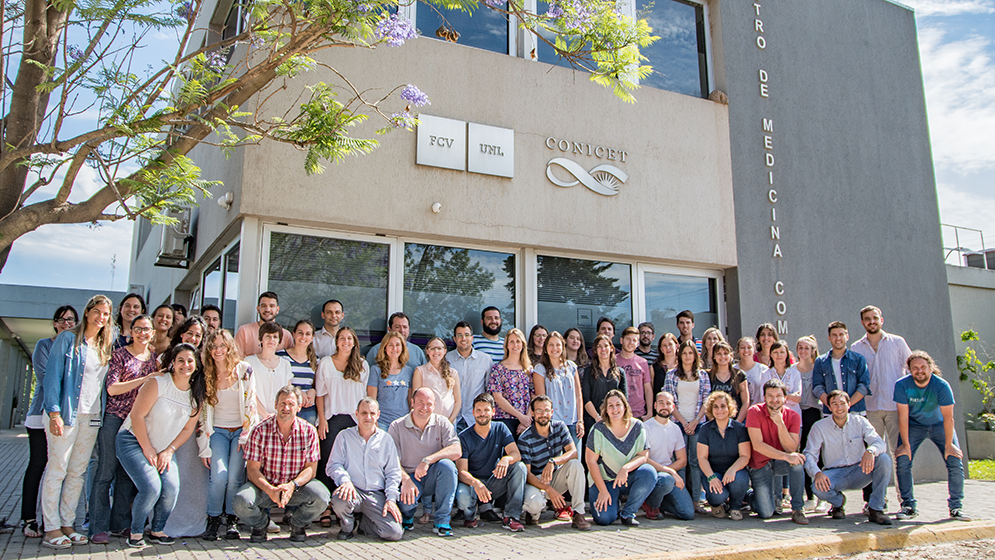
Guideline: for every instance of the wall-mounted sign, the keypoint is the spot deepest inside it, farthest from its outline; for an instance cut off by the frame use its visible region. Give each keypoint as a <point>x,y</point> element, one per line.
<point>604,179</point>
<point>441,142</point>
<point>491,150</point>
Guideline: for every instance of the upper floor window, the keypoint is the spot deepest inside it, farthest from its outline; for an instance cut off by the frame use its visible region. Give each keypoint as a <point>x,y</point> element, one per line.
<point>486,29</point>
<point>678,57</point>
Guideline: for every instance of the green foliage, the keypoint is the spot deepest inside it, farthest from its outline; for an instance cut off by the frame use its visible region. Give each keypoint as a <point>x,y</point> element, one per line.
<point>980,375</point>
<point>981,469</point>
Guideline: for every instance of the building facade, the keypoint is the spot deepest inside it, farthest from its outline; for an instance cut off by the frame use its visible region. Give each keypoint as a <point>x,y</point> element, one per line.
<point>776,168</point>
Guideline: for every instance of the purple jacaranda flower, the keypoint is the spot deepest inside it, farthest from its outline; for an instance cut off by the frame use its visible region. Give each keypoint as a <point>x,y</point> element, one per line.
<point>74,53</point>
<point>554,11</point>
<point>415,96</point>
<point>185,10</point>
<point>395,30</point>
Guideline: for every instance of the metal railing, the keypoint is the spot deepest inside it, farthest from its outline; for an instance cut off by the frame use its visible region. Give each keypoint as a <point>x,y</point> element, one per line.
<point>962,251</point>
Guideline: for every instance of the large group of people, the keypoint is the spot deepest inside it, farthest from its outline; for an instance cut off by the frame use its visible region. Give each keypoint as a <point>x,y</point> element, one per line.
<point>301,427</point>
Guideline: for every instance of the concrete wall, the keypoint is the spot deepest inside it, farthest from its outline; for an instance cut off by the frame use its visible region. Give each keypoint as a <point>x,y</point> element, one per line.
<point>972,299</point>
<point>675,207</point>
<point>849,151</point>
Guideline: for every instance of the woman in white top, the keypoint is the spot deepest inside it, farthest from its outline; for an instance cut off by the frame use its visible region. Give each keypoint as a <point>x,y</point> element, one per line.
<point>340,383</point>
<point>754,371</point>
<point>73,385</point>
<point>690,386</point>
<point>271,371</point>
<point>163,418</point>
<point>230,412</point>
<point>558,378</point>
<point>779,369</point>
<point>440,378</point>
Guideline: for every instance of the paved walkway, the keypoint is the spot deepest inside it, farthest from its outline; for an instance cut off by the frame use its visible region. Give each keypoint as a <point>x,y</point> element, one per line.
<point>550,541</point>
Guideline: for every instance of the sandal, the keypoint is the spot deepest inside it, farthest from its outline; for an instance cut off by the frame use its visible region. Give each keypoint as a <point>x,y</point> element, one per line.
<point>77,538</point>
<point>326,518</point>
<point>31,529</point>
<point>58,543</point>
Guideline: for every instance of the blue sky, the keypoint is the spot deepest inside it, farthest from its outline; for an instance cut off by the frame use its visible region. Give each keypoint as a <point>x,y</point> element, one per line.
<point>957,50</point>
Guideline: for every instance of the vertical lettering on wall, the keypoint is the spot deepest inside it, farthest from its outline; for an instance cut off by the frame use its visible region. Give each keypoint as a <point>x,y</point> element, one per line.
<point>767,136</point>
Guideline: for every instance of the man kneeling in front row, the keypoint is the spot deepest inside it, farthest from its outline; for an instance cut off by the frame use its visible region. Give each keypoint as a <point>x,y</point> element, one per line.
<point>853,455</point>
<point>281,459</point>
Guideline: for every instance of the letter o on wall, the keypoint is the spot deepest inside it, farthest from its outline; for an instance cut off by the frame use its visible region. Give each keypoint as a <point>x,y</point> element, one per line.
<point>761,42</point>
<point>782,308</point>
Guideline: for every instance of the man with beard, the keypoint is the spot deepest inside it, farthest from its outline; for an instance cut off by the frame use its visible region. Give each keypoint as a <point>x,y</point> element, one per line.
<point>365,467</point>
<point>843,369</point>
<point>247,337</point>
<point>685,326</point>
<point>647,336</point>
<point>212,316</point>
<point>428,447</point>
<point>550,456</point>
<point>926,411</point>
<point>398,322</point>
<point>668,456</point>
<point>774,433</point>
<point>490,466</point>
<point>853,455</point>
<point>490,342</point>
<point>638,379</point>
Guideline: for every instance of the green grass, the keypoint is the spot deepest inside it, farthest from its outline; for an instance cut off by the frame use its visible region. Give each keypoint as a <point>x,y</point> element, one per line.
<point>982,470</point>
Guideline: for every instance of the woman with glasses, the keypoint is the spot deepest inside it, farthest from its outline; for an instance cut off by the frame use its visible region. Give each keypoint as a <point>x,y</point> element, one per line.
<point>440,378</point>
<point>130,367</point>
<point>64,319</point>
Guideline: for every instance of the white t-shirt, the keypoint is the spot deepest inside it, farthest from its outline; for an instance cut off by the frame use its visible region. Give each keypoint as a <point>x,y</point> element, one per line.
<point>93,382</point>
<point>754,383</point>
<point>269,381</point>
<point>663,440</point>
<point>341,395</point>
<point>837,371</point>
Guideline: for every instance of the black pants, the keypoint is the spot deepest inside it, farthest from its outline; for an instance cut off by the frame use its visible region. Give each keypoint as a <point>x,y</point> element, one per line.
<point>809,417</point>
<point>336,424</point>
<point>37,459</point>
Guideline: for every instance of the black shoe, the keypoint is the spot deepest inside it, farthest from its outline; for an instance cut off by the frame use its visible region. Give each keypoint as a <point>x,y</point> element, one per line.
<point>165,540</point>
<point>231,528</point>
<point>839,512</point>
<point>878,517</point>
<point>258,535</point>
<point>490,516</point>
<point>213,524</point>
<point>630,522</point>
<point>136,543</point>
<point>344,536</point>
<point>298,534</point>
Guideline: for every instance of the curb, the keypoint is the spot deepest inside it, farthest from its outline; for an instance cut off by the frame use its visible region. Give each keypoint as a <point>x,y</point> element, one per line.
<point>832,545</point>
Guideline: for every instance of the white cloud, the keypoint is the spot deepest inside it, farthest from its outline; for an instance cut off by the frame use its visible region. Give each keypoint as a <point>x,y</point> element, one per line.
<point>965,209</point>
<point>959,78</point>
<point>925,8</point>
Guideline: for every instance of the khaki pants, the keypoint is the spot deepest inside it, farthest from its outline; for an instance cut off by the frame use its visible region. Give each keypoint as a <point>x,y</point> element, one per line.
<point>65,475</point>
<point>567,478</point>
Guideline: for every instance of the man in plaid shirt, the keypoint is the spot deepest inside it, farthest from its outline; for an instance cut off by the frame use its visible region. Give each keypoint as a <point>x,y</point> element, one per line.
<point>281,459</point>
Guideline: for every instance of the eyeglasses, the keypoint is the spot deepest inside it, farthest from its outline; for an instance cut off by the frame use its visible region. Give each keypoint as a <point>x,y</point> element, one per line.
<point>141,330</point>
<point>66,321</point>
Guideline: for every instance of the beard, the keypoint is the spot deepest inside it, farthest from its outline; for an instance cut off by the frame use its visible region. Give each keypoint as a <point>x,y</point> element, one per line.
<point>491,331</point>
<point>663,414</point>
<point>482,421</point>
<point>542,422</point>
<point>873,330</point>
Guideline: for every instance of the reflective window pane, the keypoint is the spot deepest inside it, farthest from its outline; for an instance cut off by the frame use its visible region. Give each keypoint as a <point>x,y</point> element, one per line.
<point>678,56</point>
<point>445,285</point>
<point>212,284</point>
<point>545,52</point>
<point>231,289</point>
<point>577,292</point>
<point>305,271</point>
<point>486,29</point>
<point>669,294</point>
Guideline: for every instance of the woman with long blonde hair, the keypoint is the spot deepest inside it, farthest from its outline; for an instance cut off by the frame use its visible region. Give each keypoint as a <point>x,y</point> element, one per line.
<point>73,385</point>
<point>230,411</point>
<point>557,377</point>
<point>390,379</point>
<point>440,378</point>
<point>510,383</point>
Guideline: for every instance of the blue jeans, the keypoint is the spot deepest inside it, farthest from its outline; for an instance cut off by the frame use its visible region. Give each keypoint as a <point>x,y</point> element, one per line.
<point>227,472</point>
<point>732,494</point>
<point>765,492</point>
<point>853,478</point>
<point>572,430</point>
<point>440,485</point>
<point>638,487</point>
<point>512,484</point>
<point>156,491</point>
<point>693,479</point>
<point>310,415</point>
<point>955,468</point>
<point>671,499</point>
<point>461,424</point>
<point>105,517</point>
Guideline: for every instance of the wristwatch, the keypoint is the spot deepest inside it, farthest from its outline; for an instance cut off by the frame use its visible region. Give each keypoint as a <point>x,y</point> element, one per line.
<point>296,486</point>
<point>424,460</point>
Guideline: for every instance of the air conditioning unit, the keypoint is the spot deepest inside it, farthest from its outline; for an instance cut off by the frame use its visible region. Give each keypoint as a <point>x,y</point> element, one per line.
<point>176,245</point>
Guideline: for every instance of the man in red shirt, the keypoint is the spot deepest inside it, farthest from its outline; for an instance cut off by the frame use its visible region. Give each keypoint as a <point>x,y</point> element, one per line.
<point>281,459</point>
<point>774,433</point>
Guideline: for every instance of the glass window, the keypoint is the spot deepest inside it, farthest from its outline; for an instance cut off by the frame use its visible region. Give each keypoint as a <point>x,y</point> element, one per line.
<point>486,30</point>
<point>577,292</point>
<point>445,285</point>
<point>545,52</point>
<point>231,289</point>
<point>669,294</point>
<point>305,271</point>
<point>212,285</point>
<point>678,56</point>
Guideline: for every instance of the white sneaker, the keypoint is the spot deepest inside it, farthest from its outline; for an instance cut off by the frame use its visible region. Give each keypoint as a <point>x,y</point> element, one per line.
<point>273,527</point>
<point>810,505</point>
<point>822,507</point>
